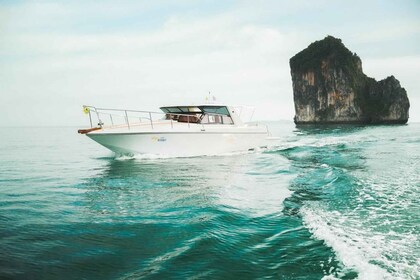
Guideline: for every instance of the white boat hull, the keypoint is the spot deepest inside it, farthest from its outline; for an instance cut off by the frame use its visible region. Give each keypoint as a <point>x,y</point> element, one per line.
<point>179,131</point>
<point>180,143</point>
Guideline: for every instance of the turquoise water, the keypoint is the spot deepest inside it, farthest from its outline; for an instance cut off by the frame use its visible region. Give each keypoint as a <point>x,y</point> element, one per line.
<point>323,203</point>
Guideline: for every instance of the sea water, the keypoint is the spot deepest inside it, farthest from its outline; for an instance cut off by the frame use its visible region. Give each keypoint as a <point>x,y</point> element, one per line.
<point>331,202</point>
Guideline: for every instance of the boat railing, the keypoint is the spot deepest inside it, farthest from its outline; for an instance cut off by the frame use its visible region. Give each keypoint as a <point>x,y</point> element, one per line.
<point>119,118</point>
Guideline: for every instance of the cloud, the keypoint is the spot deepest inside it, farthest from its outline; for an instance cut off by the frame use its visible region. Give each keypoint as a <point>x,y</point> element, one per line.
<point>178,63</point>
<point>69,57</point>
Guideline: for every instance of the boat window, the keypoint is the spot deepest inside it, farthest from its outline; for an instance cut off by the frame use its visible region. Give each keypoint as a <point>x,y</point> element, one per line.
<point>222,110</point>
<point>171,110</point>
<point>199,114</point>
<point>227,120</point>
<point>182,110</point>
<point>190,109</point>
<point>216,119</point>
<point>188,118</point>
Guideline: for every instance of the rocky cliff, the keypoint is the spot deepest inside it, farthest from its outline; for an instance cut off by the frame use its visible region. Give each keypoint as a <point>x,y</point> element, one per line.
<point>329,86</point>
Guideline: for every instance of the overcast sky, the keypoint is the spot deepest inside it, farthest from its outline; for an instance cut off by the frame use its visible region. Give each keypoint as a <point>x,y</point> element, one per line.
<point>56,56</point>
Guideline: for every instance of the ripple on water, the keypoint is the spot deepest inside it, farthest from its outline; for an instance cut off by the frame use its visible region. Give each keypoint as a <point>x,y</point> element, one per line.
<point>335,202</point>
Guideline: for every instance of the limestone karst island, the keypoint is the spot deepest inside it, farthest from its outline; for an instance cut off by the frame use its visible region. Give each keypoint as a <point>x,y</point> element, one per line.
<point>329,86</point>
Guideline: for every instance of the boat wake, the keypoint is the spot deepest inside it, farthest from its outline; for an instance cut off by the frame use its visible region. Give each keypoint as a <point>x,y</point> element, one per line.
<point>159,156</point>
<point>355,193</point>
<point>372,254</point>
<point>344,193</point>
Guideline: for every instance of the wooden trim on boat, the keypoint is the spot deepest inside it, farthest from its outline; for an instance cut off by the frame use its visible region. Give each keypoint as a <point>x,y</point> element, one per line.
<point>84,131</point>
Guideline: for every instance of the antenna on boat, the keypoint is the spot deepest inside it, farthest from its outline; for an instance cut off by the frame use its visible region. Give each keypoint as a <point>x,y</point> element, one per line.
<point>210,98</point>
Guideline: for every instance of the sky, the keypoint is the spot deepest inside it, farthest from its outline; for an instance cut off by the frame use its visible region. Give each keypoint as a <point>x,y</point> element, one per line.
<point>56,56</point>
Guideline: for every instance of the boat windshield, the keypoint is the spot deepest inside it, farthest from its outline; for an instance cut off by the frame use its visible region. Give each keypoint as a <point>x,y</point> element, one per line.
<point>199,114</point>
<point>220,110</point>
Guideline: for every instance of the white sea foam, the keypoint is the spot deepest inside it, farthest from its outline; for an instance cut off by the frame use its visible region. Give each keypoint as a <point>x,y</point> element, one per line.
<point>143,157</point>
<point>161,156</point>
<point>359,247</point>
<point>344,244</point>
<point>325,141</point>
<point>373,228</point>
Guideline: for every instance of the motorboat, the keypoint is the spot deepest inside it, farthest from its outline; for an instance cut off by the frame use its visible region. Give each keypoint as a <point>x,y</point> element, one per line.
<point>193,130</point>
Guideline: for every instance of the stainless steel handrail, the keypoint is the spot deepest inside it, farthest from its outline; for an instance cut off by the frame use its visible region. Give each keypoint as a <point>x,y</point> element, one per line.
<point>125,116</point>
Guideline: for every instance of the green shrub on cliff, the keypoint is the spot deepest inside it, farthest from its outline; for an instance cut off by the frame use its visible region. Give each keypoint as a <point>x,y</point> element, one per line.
<point>329,49</point>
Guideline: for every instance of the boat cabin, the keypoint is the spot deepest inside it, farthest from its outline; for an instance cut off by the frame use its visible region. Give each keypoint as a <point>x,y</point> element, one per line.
<point>202,114</point>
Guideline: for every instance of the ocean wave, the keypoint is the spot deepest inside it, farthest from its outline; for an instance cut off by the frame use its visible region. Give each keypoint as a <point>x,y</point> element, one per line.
<point>372,254</point>
<point>344,244</point>
<point>357,194</point>
<point>331,141</point>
